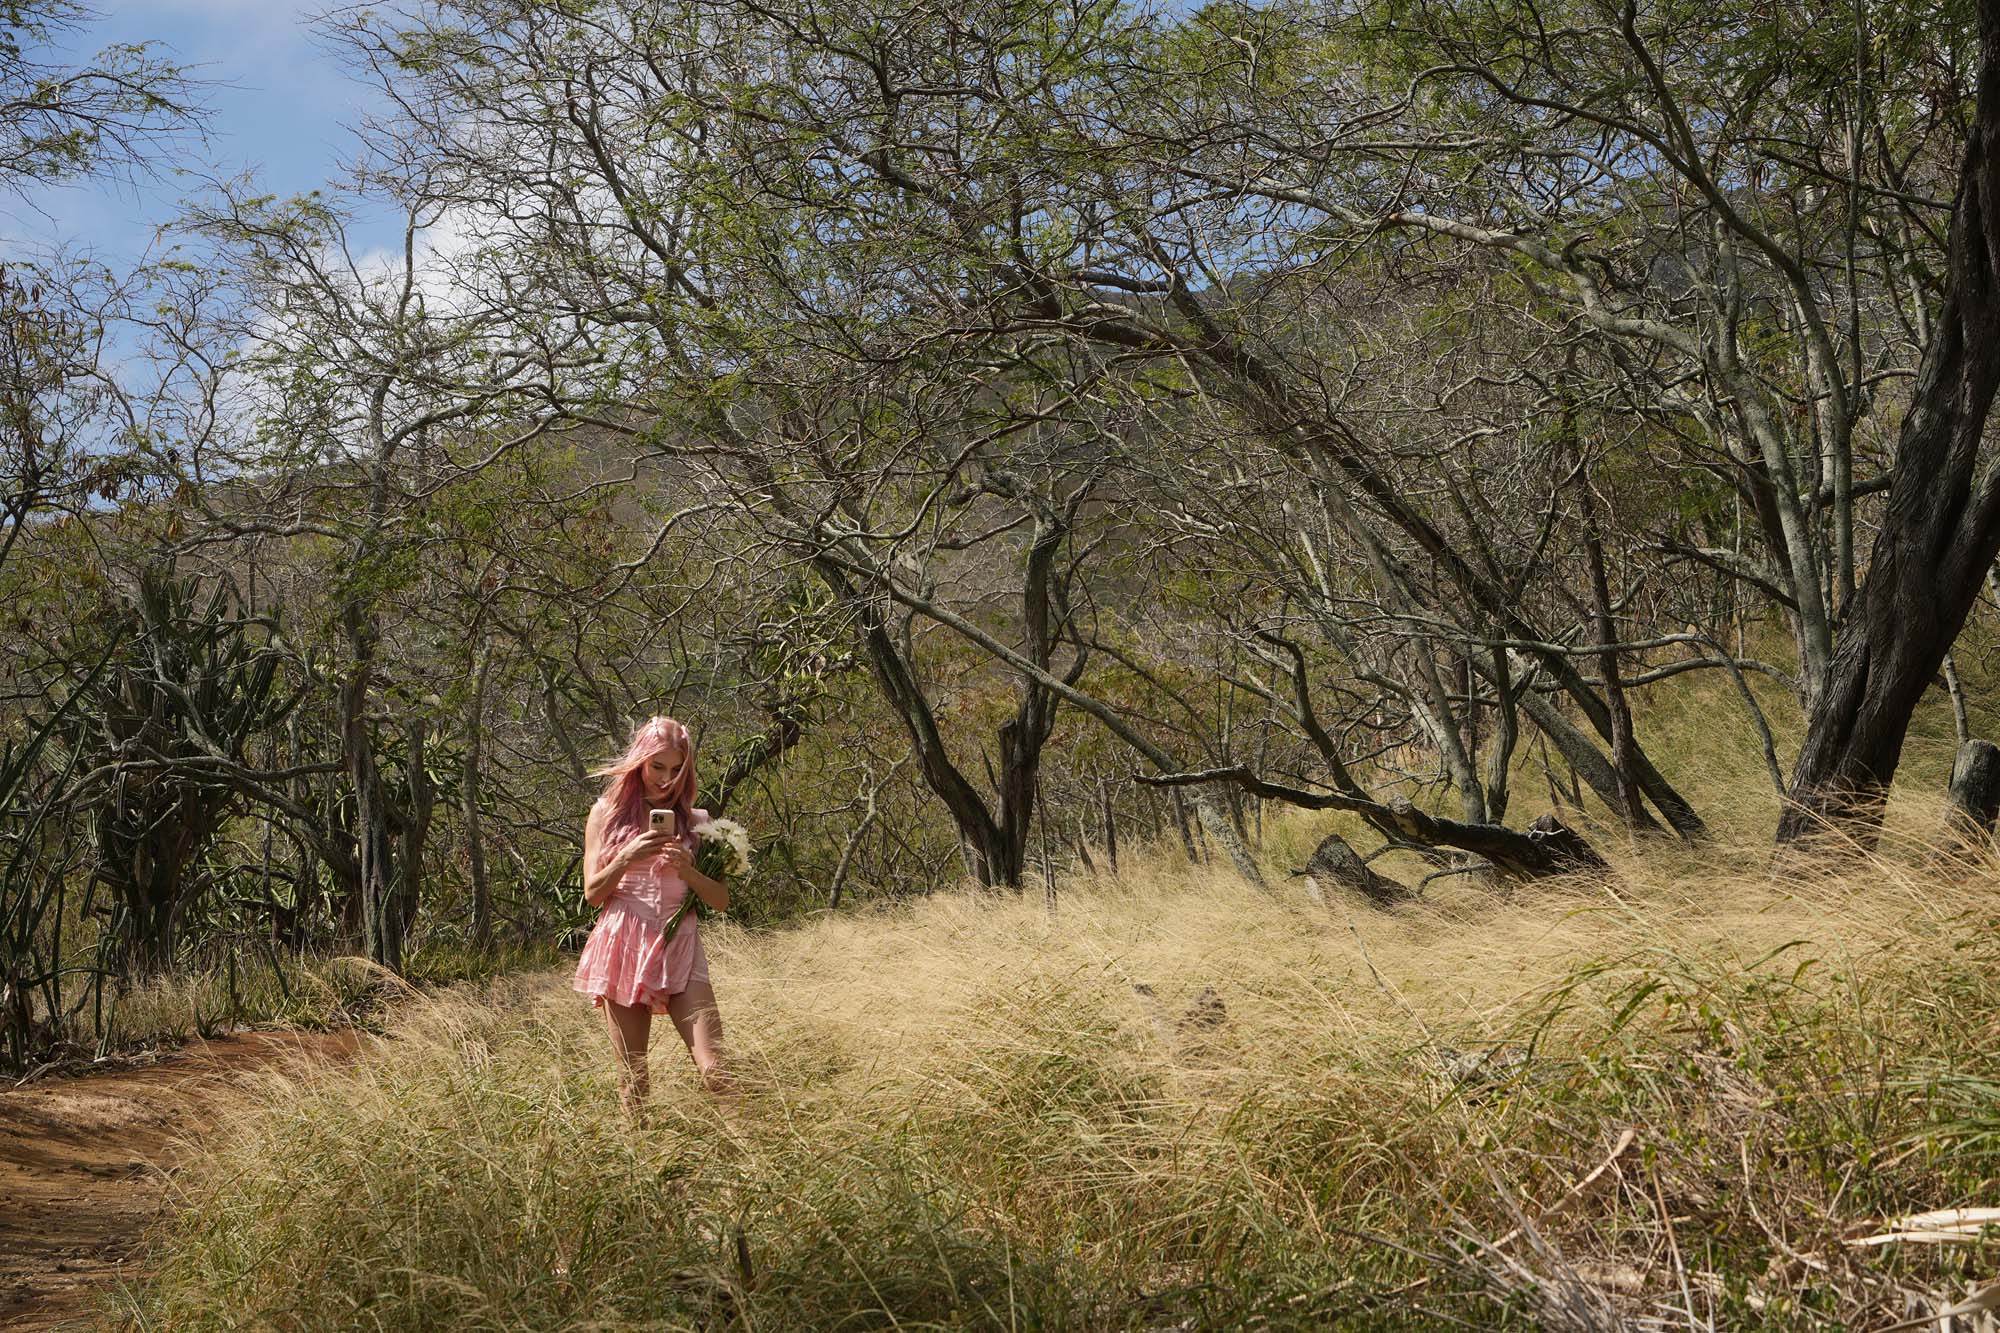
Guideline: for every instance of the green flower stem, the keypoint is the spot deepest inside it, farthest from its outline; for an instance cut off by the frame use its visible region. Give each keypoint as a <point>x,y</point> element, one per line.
<point>692,900</point>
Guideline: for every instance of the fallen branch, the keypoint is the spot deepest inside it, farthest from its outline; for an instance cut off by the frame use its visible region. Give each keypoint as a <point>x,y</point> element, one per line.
<point>1626,1139</point>
<point>1949,1224</point>
<point>1547,847</point>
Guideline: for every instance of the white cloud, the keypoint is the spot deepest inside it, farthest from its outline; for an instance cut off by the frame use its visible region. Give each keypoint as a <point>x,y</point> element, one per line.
<point>434,257</point>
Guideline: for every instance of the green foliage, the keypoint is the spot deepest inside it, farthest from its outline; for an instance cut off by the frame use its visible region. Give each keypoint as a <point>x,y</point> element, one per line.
<point>61,121</point>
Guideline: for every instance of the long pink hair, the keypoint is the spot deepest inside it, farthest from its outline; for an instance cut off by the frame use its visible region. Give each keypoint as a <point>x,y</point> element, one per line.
<point>625,794</point>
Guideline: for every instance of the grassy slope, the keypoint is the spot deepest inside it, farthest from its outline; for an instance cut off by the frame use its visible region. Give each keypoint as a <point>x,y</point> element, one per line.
<point>963,1113</point>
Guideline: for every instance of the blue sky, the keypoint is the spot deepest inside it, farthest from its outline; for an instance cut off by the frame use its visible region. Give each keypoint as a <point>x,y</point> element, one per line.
<point>280,107</point>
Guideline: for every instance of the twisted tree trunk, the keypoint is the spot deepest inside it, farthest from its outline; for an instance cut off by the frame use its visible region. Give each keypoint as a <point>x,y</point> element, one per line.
<point>1941,529</point>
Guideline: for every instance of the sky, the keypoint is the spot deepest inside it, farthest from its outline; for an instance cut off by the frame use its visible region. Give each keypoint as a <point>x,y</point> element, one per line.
<point>279,107</point>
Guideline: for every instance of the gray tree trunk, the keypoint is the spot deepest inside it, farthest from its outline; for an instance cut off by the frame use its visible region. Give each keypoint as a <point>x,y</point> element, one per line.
<point>1216,822</point>
<point>1975,794</point>
<point>416,832</point>
<point>1334,863</point>
<point>470,798</point>
<point>374,869</point>
<point>1110,825</point>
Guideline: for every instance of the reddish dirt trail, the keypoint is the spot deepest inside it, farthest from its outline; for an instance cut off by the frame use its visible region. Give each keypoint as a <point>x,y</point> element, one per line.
<point>81,1163</point>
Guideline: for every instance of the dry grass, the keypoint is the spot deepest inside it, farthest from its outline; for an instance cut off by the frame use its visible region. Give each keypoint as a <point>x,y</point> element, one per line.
<point>271,990</point>
<point>1706,1081</point>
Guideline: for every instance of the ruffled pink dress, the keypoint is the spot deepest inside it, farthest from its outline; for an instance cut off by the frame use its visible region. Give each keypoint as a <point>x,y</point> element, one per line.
<point>626,958</point>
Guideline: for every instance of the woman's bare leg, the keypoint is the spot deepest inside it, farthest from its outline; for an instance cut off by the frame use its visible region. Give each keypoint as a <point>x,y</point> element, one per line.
<point>631,1028</point>
<point>699,1022</point>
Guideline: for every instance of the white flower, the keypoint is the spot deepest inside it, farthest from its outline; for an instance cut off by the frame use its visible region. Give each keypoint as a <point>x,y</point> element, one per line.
<point>732,841</point>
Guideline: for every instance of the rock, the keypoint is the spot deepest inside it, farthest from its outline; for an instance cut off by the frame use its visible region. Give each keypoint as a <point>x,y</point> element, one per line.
<point>1192,1038</point>
<point>1480,1069</point>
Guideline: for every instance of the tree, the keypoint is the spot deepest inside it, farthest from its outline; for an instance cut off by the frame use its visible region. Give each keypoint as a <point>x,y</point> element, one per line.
<point>1010,191</point>
<point>787,391</point>
<point>375,387</point>
<point>1748,216</point>
<point>121,112</point>
<point>1940,530</point>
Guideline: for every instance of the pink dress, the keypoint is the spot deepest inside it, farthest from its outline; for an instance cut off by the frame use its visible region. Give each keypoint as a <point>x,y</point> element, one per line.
<point>626,958</point>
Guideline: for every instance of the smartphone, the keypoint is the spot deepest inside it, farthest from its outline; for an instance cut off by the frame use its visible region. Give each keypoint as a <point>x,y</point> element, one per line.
<point>661,819</point>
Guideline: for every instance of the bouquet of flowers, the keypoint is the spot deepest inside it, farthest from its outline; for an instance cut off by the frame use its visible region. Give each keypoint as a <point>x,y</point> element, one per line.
<point>722,851</point>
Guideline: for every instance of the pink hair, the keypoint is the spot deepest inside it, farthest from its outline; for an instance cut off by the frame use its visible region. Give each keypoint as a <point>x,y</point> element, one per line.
<point>625,794</point>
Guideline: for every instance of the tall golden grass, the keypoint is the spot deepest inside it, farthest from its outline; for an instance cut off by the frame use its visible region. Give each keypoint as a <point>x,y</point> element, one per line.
<point>1676,1095</point>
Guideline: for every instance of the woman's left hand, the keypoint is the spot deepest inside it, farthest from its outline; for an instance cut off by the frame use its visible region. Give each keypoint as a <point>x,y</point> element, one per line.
<point>677,858</point>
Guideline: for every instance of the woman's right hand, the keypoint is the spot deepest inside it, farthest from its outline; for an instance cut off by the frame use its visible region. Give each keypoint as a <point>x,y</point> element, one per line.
<point>644,847</point>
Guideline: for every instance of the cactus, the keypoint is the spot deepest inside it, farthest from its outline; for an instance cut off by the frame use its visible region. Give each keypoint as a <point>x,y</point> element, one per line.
<point>158,739</point>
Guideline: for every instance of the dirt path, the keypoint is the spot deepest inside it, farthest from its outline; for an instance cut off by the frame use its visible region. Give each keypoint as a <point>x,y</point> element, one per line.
<point>81,1162</point>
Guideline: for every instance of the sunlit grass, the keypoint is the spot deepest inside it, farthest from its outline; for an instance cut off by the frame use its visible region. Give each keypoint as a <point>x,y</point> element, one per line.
<point>261,989</point>
<point>965,1112</point>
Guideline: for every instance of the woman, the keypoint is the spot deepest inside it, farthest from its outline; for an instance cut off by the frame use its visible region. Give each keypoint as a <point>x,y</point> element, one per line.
<point>639,876</point>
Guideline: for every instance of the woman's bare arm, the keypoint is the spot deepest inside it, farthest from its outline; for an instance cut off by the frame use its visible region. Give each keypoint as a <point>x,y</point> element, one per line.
<point>600,882</point>
<point>713,892</point>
